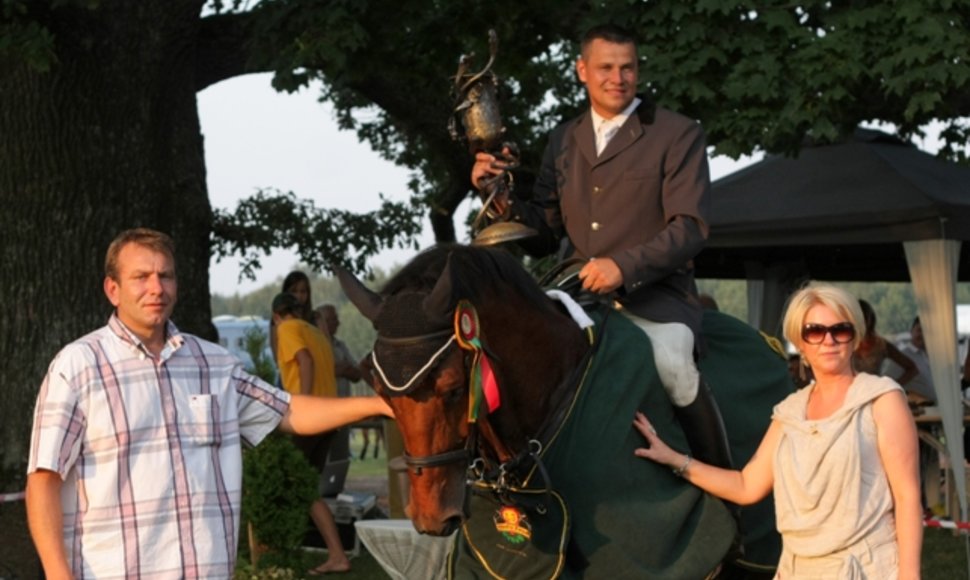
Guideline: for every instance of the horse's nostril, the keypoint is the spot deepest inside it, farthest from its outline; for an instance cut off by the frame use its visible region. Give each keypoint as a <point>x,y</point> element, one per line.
<point>451,524</point>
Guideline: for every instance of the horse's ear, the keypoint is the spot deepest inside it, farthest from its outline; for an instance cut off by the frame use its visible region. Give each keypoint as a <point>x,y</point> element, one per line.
<point>367,302</point>
<point>439,301</point>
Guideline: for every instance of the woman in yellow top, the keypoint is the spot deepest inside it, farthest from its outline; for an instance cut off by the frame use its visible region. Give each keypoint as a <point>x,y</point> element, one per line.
<point>840,456</point>
<point>305,360</point>
<point>303,352</point>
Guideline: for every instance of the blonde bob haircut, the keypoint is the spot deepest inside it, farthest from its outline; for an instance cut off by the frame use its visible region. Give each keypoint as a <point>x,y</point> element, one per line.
<point>835,298</point>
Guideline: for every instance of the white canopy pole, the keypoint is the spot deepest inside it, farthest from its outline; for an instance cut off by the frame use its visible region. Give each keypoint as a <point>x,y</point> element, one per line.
<point>933,271</point>
<point>756,298</point>
<point>768,289</point>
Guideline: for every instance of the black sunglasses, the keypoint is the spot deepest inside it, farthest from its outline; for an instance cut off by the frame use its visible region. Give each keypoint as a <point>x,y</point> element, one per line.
<point>842,333</point>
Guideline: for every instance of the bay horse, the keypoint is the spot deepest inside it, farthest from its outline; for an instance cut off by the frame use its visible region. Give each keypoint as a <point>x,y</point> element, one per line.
<point>516,424</point>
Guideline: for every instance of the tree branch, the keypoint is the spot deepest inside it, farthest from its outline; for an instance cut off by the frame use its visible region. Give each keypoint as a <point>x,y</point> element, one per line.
<point>224,48</point>
<point>385,92</point>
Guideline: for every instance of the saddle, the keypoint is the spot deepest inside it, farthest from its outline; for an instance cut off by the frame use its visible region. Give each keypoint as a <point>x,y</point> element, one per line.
<point>564,276</point>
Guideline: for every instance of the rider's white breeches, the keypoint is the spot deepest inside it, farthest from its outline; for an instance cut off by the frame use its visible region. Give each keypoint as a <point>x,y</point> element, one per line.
<point>673,353</point>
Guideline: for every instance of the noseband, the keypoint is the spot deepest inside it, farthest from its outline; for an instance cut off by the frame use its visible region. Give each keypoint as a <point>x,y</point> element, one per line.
<point>412,341</point>
<point>463,455</point>
<point>416,464</point>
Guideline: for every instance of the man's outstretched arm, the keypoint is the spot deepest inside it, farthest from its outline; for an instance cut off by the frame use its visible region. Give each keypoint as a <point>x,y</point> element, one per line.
<point>308,415</point>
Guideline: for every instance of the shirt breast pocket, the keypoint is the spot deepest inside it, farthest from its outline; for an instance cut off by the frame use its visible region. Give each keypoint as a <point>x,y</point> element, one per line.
<point>203,424</point>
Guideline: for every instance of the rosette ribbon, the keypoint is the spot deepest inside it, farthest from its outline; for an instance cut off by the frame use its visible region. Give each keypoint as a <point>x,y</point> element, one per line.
<point>481,380</point>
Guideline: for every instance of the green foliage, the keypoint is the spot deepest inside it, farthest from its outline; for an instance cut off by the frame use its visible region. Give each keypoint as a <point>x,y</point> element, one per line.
<point>272,219</point>
<point>255,345</point>
<point>893,302</point>
<point>25,30</point>
<point>246,571</point>
<point>768,77</point>
<point>24,39</point>
<point>278,487</point>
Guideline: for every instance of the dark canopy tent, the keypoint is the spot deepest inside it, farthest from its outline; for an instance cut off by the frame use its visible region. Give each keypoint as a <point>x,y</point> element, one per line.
<point>872,209</point>
<point>842,211</point>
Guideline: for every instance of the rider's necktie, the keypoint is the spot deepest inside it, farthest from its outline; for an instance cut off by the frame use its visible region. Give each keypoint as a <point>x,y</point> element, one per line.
<point>604,133</point>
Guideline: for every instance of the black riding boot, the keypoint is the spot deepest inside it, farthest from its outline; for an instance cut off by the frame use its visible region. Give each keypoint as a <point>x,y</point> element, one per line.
<point>704,427</point>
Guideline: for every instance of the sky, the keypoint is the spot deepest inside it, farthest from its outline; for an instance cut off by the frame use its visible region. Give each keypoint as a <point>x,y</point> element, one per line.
<point>258,138</point>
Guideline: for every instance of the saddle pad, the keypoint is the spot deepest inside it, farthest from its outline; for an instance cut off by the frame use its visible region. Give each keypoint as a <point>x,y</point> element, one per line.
<point>631,518</point>
<point>529,542</point>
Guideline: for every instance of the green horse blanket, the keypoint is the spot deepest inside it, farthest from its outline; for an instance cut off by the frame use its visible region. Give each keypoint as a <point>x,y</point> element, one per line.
<point>614,515</point>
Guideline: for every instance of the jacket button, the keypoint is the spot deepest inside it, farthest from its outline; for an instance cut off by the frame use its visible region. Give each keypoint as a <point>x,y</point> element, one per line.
<point>596,189</point>
<point>595,226</point>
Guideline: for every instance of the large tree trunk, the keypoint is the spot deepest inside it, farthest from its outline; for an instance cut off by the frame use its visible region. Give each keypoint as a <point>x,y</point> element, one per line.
<point>108,139</point>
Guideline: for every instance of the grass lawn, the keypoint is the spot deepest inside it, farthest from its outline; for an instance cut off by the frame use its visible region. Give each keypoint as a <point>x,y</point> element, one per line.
<point>944,555</point>
<point>369,466</point>
<point>363,567</point>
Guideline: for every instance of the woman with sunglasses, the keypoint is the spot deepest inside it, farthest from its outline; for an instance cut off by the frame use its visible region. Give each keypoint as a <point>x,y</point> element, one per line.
<point>840,456</point>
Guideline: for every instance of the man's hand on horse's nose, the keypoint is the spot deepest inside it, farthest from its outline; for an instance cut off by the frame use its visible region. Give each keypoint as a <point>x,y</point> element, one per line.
<point>601,275</point>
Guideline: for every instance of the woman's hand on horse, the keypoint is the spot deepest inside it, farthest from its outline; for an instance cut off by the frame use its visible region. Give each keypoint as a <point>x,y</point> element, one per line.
<point>601,275</point>
<point>656,449</point>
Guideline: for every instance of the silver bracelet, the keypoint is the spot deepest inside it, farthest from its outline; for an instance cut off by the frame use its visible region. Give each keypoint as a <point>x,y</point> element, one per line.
<point>680,472</point>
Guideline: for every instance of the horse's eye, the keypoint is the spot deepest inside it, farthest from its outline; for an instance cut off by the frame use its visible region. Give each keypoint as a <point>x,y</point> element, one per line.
<point>453,397</point>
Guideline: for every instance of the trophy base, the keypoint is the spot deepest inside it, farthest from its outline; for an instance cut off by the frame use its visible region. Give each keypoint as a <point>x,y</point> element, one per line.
<point>502,232</point>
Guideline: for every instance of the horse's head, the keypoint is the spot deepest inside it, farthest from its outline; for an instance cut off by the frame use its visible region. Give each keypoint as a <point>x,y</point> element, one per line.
<point>422,371</point>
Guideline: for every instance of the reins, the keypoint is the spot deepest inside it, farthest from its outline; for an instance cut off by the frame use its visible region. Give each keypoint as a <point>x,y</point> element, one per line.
<point>517,471</point>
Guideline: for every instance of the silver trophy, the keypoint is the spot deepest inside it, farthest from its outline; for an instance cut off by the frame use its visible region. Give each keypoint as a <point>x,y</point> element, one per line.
<point>476,108</point>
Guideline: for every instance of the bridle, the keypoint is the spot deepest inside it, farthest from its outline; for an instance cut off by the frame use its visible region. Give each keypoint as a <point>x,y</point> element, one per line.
<point>477,467</point>
<point>412,341</point>
<point>418,463</point>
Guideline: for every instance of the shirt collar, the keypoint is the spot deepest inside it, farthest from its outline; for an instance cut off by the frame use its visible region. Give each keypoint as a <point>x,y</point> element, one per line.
<point>173,341</point>
<point>618,120</point>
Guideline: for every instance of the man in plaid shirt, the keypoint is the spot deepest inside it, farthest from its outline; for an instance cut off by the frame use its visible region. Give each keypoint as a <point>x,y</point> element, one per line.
<point>135,466</point>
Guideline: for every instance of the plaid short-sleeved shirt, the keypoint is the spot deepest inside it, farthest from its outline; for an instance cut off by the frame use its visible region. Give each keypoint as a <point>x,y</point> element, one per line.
<point>150,452</point>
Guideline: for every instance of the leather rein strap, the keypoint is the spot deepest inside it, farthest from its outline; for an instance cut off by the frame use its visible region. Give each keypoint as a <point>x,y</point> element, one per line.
<point>521,465</point>
<point>462,455</point>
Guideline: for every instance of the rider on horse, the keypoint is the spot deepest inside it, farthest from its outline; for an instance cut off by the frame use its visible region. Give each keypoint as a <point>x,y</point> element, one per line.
<point>625,186</point>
